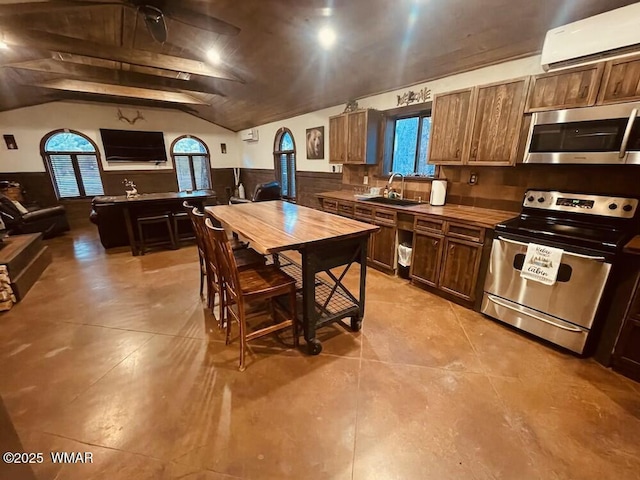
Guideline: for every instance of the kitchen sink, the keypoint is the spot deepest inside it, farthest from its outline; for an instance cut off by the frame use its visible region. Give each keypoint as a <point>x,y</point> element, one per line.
<point>403,202</point>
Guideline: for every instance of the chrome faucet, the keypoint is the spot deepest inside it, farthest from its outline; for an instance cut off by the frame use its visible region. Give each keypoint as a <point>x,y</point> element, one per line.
<point>395,195</point>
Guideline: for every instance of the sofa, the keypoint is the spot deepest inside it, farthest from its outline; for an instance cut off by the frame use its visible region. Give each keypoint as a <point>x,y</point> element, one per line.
<point>49,221</point>
<point>263,192</point>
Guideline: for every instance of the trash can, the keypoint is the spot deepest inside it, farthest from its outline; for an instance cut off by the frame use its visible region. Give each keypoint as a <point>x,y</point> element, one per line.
<point>404,259</point>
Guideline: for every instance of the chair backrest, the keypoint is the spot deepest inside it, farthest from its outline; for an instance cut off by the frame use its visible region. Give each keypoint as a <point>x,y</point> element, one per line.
<point>267,191</point>
<point>227,266</point>
<point>197,221</point>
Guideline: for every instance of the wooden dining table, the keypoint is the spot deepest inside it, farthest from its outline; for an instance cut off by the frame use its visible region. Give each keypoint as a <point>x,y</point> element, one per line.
<point>325,242</point>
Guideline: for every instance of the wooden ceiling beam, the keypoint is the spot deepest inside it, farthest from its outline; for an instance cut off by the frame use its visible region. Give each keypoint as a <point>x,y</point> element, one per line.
<point>115,76</point>
<point>16,9</point>
<point>119,91</point>
<point>76,46</point>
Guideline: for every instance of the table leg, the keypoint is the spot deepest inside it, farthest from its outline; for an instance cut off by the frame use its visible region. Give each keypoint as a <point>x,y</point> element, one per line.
<point>314,347</point>
<point>356,322</point>
<point>130,234</point>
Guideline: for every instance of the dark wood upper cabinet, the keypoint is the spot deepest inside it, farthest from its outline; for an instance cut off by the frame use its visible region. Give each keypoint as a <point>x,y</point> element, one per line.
<point>357,137</point>
<point>495,128</point>
<point>338,139</point>
<point>353,137</point>
<point>577,87</point>
<point>427,256</point>
<point>460,266</point>
<point>621,81</point>
<point>449,127</point>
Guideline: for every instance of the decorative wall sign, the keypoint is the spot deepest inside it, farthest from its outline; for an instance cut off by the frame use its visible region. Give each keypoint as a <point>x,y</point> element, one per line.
<point>409,97</point>
<point>315,143</point>
<point>223,148</point>
<point>10,140</point>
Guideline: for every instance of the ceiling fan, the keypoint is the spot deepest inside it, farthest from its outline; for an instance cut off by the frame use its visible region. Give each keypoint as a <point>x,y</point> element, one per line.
<point>154,12</point>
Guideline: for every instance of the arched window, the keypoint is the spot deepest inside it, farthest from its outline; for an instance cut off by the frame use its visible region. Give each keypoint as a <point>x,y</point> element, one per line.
<point>284,154</point>
<point>72,161</point>
<point>191,160</point>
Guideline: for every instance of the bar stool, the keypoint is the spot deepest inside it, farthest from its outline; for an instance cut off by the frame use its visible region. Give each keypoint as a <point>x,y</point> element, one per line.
<point>182,217</point>
<point>163,218</point>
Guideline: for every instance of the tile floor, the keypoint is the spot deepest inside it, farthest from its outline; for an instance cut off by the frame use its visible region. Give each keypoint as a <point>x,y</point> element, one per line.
<point>116,355</point>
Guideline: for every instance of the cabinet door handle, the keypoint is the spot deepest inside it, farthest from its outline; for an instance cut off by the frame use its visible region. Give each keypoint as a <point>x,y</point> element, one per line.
<point>435,242</point>
<point>452,248</point>
<point>474,152</point>
<point>616,90</point>
<point>584,91</point>
<point>457,153</point>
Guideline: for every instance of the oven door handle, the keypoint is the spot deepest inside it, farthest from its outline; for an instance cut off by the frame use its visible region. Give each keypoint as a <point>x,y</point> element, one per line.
<point>588,257</point>
<point>563,327</point>
<point>627,133</point>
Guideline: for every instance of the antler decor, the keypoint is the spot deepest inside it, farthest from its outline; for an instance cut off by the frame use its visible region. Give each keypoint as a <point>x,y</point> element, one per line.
<point>138,116</point>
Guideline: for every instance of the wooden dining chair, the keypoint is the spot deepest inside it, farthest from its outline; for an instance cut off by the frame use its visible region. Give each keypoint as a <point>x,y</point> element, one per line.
<point>242,286</point>
<point>199,233</point>
<point>245,258</point>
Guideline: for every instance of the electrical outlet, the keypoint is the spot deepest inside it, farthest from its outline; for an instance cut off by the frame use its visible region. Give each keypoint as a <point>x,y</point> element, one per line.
<point>365,180</point>
<point>473,178</point>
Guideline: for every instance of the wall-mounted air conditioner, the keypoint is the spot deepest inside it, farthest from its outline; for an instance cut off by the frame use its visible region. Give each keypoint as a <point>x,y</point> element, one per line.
<point>249,135</point>
<point>609,35</point>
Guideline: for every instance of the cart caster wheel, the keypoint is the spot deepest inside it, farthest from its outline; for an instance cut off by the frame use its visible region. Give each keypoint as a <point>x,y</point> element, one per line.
<point>356,324</point>
<point>314,347</point>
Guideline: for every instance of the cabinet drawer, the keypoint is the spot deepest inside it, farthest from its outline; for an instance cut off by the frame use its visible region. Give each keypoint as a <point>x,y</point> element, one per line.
<point>466,232</point>
<point>428,225</point>
<point>363,213</point>
<point>345,209</point>
<point>330,205</point>
<point>385,217</point>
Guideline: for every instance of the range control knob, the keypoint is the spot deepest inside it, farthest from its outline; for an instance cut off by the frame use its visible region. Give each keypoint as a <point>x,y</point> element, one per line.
<point>627,208</point>
<point>613,206</point>
<point>540,199</point>
<point>530,198</point>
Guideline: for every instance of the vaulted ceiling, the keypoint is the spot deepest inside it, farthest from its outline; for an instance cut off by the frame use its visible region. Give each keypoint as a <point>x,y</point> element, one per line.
<point>274,67</point>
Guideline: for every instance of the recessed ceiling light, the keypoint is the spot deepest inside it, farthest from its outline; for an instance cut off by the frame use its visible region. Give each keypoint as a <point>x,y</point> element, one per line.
<point>326,12</point>
<point>214,56</point>
<point>3,46</point>
<point>327,37</point>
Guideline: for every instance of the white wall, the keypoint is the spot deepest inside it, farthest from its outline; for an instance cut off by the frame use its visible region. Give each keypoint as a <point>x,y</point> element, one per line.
<point>29,125</point>
<point>260,154</point>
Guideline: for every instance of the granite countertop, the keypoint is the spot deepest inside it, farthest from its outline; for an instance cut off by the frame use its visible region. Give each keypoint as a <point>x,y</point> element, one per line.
<point>483,217</point>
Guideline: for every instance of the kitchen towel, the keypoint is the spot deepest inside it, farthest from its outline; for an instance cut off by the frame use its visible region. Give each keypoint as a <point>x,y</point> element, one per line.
<point>541,263</point>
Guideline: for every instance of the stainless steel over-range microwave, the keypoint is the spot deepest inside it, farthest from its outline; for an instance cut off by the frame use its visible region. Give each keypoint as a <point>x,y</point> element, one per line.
<point>597,135</point>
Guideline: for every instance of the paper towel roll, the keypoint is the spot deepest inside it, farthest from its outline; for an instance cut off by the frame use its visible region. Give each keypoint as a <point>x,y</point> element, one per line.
<point>438,192</point>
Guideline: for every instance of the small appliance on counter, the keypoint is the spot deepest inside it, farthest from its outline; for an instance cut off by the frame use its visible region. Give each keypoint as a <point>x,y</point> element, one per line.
<point>438,192</point>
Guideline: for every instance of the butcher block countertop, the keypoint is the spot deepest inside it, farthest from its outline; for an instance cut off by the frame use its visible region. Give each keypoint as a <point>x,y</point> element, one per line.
<point>483,217</point>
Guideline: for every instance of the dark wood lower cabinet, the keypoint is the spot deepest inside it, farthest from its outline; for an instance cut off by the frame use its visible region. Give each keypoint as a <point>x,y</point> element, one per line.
<point>447,256</point>
<point>427,256</point>
<point>384,245</point>
<point>626,355</point>
<point>460,265</point>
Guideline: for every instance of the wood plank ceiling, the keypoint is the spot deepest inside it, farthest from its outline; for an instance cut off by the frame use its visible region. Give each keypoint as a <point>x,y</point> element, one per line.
<point>274,68</point>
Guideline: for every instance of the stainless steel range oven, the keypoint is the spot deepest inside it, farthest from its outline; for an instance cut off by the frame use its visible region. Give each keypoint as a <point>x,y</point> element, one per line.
<point>590,230</point>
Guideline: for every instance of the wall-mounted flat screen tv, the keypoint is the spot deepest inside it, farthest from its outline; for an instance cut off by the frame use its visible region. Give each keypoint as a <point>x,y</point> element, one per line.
<point>133,146</point>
